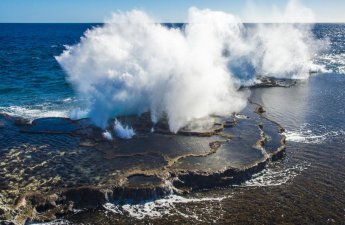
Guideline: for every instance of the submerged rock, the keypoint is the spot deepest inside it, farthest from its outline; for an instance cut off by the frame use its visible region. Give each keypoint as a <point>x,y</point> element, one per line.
<point>54,165</point>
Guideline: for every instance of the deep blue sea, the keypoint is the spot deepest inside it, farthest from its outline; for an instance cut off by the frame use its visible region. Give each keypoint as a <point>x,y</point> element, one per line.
<point>32,82</point>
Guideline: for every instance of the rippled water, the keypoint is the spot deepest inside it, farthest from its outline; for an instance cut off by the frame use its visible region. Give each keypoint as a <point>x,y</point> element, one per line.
<point>334,58</point>
<point>32,82</point>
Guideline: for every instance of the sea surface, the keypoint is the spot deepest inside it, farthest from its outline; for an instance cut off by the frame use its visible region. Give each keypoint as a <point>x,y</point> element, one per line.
<point>306,187</point>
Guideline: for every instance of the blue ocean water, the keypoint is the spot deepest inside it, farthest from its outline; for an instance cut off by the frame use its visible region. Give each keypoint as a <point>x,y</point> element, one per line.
<point>32,82</point>
<point>34,85</point>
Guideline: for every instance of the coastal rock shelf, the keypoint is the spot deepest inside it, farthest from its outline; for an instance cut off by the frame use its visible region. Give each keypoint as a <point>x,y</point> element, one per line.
<point>51,166</point>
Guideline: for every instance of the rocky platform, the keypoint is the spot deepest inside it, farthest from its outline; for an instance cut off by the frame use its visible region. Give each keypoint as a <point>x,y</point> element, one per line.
<point>52,166</point>
<point>267,82</point>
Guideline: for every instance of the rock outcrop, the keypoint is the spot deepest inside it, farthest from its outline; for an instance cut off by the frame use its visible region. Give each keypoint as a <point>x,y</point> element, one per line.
<point>53,166</point>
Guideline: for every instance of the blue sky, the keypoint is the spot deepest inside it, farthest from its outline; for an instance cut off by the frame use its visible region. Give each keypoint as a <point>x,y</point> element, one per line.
<point>45,11</point>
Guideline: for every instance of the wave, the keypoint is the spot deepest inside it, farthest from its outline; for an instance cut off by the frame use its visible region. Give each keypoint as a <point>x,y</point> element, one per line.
<point>70,107</point>
<point>158,208</point>
<point>34,112</point>
<point>6,90</point>
<point>312,135</point>
<point>275,176</point>
<point>334,62</point>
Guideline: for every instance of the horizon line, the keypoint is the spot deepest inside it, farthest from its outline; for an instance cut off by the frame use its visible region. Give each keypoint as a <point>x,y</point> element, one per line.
<point>324,22</point>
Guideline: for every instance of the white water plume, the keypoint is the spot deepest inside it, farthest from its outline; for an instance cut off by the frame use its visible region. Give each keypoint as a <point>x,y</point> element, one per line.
<point>107,135</point>
<point>132,64</point>
<point>124,132</point>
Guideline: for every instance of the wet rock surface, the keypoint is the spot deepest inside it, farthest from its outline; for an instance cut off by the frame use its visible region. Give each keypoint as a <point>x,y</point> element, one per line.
<point>52,166</point>
<point>266,82</point>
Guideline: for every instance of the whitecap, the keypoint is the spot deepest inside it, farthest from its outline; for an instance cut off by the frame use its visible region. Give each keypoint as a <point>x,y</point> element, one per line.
<point>275,177</point>
<point>34,113</point>
<point>312,135</point>
<point>334,62</point>
<point>158,208</point>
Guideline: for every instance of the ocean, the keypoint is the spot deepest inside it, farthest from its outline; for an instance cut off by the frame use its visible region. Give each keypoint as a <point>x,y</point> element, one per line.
<point>32,82</point>
<point>305,187</point>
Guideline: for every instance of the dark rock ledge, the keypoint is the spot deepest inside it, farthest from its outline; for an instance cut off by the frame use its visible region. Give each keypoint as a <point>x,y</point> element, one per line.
<point>53,166</point>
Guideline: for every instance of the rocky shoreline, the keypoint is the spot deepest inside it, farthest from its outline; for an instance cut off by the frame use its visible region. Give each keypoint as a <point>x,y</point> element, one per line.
<point>53,166</point>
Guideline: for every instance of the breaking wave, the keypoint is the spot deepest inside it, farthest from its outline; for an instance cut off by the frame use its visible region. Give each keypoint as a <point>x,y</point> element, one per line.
<point>335,62</point>
<point>157,208</point>
<point>35,112</point>
<point>312,135</point>
<point>275,176</point>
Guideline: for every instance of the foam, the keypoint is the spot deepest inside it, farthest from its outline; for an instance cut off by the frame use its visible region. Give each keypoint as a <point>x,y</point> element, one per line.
<point>335,62</point>
<point>275,176</point>
<point>312,135</point>
<point>30,112</point>
<point>157,208</point>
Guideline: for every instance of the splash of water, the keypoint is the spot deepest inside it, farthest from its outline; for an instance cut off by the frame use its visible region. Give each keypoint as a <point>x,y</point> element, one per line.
<point>132,64</point>
<point>107,135</point>
<point>124,132</point>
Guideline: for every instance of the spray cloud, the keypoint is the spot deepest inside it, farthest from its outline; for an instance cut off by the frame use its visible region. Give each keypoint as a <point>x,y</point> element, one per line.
<point>132,64</point>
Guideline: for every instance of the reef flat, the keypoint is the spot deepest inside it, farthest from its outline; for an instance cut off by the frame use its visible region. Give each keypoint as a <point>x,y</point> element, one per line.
<point>52,166</point>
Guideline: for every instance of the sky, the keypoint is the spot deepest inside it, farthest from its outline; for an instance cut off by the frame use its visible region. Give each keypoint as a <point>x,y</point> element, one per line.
<point>83,11</point>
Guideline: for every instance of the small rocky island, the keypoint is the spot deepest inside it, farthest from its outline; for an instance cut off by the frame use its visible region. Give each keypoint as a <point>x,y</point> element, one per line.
<point>52,166</point>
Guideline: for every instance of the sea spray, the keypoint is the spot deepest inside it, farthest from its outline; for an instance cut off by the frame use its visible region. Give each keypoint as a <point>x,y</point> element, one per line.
<point>124,132</point>
<point>284,44</point>
<point>285,50</point>
<point>132,64</point>
<point>107,135</point>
